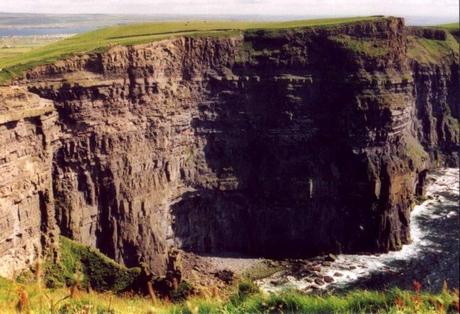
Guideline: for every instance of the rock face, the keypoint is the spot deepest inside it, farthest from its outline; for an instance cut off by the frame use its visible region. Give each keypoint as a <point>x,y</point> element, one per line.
<point>27,129</point>
<point>281,143</point>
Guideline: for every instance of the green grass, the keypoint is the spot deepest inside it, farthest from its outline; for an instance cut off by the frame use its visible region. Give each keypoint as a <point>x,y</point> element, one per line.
<point>104,274</point>
<point>88,266</point>
<point>359,301</point>
<point>133,34</point>
<point>370,47</point>
<point>453,28</point>
<point>11,47</point>
<point>432,51</point>
<point>450,26</point>
<point>246,298</point>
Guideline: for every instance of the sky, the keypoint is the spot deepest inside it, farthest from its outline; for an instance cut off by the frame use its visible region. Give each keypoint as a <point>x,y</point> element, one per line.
<point>435,8</point>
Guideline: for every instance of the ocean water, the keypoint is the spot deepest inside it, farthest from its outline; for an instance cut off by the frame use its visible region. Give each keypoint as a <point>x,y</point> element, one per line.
<point>431,258</point>
<point>45,31</point>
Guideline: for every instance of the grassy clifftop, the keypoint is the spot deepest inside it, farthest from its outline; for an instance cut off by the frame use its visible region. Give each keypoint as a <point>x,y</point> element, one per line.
<point>12,65</point>
<point>453,28</point>
<point>132,34</point>
<point>450,26</point>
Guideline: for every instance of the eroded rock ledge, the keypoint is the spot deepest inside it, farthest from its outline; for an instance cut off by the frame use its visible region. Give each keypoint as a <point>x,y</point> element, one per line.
<point>286,143</point>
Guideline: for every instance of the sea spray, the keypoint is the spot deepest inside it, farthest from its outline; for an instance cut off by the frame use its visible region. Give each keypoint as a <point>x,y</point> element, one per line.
<point>442,204</point>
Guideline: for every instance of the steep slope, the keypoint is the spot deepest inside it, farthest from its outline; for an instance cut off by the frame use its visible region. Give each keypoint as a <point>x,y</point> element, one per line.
<point>27,128</point>
<point>277,142</point>
<point>434,60</point>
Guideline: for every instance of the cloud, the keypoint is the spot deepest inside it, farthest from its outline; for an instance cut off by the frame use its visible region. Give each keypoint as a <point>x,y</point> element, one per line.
<point>261,7</point>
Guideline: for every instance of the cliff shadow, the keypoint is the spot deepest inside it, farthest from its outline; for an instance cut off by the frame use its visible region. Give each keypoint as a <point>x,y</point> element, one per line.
<point>435,259</point>
<point>271,184</point>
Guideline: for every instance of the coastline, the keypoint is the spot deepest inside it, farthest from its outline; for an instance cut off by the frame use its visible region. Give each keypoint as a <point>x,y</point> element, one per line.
<point>398,268</point>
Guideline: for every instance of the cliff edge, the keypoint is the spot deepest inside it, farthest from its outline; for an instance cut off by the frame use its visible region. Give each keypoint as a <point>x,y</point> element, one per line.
<point>269,142</point>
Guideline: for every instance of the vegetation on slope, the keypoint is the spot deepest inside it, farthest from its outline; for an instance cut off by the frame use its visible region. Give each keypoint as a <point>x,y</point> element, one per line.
<point>426,50</point>
<point>246,298</point>
<point>453,28</point>
<point>370,47</point>
<point>132,34</point>
<point>450,26</point>
<point>69,295</point>
<point>86,267</point>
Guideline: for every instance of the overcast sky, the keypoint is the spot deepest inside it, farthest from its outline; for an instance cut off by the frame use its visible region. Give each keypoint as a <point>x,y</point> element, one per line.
<point>444,8</point>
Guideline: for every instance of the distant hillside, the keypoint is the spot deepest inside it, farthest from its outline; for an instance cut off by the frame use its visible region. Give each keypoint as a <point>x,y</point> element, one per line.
<point>25,24</point>
<point>22,24</point>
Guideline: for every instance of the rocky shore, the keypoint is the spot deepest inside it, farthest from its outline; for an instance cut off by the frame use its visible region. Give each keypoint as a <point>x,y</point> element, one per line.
<point>431,258</point>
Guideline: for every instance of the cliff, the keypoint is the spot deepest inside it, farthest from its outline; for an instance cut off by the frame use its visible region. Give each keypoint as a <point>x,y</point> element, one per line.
<point>27,128</point>
<point>271,143</point>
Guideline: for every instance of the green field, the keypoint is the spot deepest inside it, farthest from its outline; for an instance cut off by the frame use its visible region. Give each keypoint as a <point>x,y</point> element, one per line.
<point>12,47</point>
<point>453,28</point>
<point>132,34</point>
<point>450,26</point>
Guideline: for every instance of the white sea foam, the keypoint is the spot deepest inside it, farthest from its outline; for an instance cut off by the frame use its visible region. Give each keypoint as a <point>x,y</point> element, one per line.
<point>442,194</point>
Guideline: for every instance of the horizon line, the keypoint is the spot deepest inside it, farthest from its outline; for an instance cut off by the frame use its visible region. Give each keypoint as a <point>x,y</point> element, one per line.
<point>235,15</point>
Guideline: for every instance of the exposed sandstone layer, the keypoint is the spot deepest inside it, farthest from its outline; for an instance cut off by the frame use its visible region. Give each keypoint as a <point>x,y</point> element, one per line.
<point>27,129</point>
<point>286,143</point>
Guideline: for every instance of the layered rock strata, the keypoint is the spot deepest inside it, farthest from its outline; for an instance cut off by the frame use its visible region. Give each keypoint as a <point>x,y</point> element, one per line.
<point>271,143</point>
<point>27,225</point>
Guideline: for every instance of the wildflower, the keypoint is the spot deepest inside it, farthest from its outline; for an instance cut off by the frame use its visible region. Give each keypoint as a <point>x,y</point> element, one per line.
<point>417,300</point>
<point>23,305</point>
<point>417,286</point>
<point>399,302</point>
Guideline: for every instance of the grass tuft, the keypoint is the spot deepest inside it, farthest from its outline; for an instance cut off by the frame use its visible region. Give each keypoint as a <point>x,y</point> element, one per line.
<point>83,266</point>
